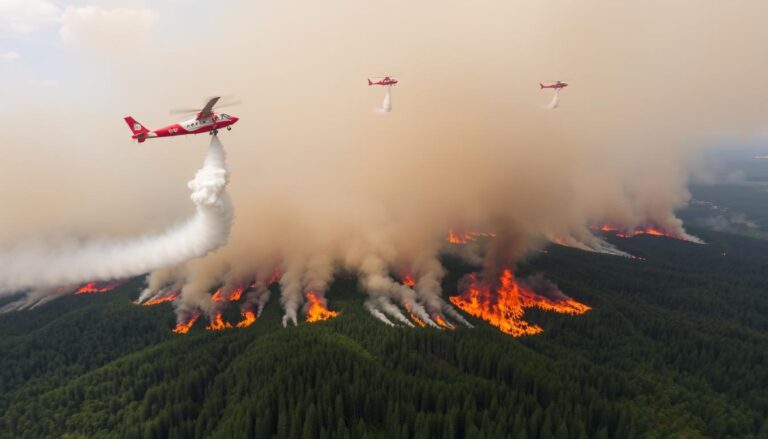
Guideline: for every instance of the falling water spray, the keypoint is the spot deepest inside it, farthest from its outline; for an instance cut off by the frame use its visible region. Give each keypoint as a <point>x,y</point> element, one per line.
<point>39,266</point>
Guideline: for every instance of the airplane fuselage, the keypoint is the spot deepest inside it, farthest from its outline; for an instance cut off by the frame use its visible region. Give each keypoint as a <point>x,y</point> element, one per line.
<point>557,85</point>
<point>385,81</point>
<point>193,126</point>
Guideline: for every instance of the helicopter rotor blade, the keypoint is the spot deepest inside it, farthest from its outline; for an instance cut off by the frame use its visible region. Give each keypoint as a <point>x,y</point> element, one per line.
<point>190,111</point>
<point>184,111</point>
<point>228,104</point>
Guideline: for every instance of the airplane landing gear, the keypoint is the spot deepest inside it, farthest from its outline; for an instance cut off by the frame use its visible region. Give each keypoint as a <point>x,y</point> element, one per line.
<point>229,128</point>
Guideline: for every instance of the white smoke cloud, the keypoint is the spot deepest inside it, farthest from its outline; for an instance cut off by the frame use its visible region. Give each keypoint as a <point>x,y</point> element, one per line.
<point>161,282</point>
<point>381,303</point>
<point>291,290</point>
<point>42,265</point>
<point>37,297</point>
<point>256,299</point>
<point>584,240</point>
<point>377,313</point>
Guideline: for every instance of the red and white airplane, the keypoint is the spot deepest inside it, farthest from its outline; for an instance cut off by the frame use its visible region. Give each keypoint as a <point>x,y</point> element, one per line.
<point>556,85</point>
<point>205,121</point>
<point>384,81</point>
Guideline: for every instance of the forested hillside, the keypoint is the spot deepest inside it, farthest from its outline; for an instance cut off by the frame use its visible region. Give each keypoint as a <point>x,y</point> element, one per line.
<point>676,344</point>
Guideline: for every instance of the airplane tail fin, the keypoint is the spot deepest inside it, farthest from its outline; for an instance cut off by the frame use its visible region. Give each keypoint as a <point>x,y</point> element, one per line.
<point>135,126</point>
<point>541,85</point>
<point>139,131</point>
<point>369,82</point>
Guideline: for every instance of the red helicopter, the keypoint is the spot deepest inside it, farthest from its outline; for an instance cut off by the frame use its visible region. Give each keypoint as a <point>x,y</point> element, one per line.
<point>555,85</point>
<point>384,81</point>
<point>205,121</point>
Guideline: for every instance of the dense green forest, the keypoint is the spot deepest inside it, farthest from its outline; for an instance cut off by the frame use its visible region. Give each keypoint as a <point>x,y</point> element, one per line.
<point>676,345</point>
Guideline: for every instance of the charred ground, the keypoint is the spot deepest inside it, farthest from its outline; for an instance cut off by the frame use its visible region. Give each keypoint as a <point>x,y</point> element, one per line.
<point>676,343</point>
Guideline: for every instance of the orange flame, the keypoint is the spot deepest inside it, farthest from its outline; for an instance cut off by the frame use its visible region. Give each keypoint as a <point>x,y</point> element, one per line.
<point>248,318</point>
<point>233,296</point>
<point>463,237</point>
<point>158,300</point>
<point>506,308</point>
<point>640,230</point>
<point>275,277</point>
<point>218,323</point>
<point>414,317</point>
<point>98,287</point>
<point>317,311</point>
<point>408,280</point>
<point>184,327</point>
<point>441,321</point>
<point>455,238</point>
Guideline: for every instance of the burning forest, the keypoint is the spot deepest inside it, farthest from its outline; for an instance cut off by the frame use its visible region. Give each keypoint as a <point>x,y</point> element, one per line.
<point>646,229</point>
<point>459,236</point>
<point>218,323</point>
<point>316,310</point>
<point>502,302</point>
<point>249,318</point>
<point>98,287</point>
<point>184,326</point>
<point>402,290</point>
<point>415,300</point>
<point>170,297</point>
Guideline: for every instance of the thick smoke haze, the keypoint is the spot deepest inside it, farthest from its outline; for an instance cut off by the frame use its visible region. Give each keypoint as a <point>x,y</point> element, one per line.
<point>41,265</point>
<point>324,185</point>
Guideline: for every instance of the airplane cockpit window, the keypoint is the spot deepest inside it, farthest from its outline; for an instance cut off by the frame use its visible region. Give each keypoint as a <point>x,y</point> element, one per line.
<point>225,116</point>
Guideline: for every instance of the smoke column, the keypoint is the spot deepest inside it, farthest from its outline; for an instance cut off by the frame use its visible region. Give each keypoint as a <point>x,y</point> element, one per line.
<point>39,266</point>
<point>378,314</point>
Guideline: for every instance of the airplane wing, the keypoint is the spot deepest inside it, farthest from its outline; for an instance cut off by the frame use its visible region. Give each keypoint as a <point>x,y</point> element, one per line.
<point>206,111</point>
